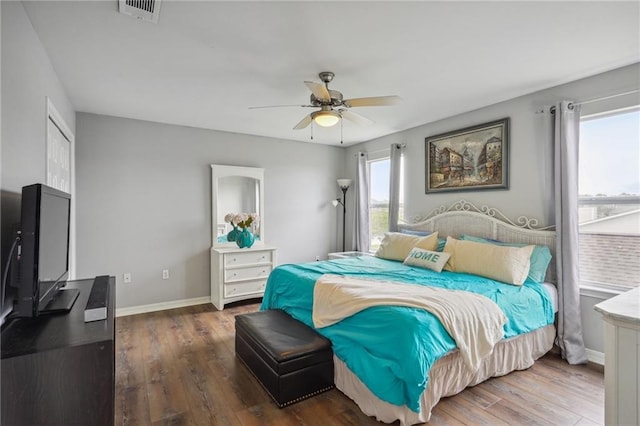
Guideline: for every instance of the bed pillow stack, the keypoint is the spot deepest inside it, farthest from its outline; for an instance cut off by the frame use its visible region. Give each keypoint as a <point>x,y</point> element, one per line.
<point>502,263</point>
<point>441,241</point>
<point>540,257</point>
<point>397,245</point>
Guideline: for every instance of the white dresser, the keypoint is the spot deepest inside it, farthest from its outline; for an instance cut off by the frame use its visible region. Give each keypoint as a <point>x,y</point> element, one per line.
<point>621,358</point>
<point>239,274</point>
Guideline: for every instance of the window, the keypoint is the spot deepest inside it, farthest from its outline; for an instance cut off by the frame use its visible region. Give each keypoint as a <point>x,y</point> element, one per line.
<point>378,200</point>
<point>609,200</point>
<point>379,177</point>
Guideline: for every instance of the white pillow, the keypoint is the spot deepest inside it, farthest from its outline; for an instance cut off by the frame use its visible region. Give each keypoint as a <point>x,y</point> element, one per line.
<point>433,260</point>
<point>396,245</point>
<point>507,264</point>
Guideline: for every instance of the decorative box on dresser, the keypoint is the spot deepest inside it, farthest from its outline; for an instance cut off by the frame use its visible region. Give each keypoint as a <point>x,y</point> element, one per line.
<point>621,358</point>
<point>239,274</point>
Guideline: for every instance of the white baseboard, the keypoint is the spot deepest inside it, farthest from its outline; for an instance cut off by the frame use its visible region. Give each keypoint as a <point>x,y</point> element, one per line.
<point>595,356</point>
<point>133,310</point>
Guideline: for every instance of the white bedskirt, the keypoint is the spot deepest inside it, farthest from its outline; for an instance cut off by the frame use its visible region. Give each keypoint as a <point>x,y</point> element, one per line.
<point>448,376</point>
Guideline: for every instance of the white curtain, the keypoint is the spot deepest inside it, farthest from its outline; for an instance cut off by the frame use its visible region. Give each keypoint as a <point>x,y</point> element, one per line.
<point>566,144</point>
<point>394,185</point>
<point>361,236</point>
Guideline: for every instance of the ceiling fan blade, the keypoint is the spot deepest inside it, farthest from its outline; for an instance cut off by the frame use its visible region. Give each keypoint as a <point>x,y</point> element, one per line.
<point>356,118</point>
<point>373,101</point>
<point>281,106</point>
<point>303,123</point>
<point>319,90</point>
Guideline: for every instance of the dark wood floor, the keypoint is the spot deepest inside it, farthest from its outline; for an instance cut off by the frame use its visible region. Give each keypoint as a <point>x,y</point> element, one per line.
<point>178,367</point>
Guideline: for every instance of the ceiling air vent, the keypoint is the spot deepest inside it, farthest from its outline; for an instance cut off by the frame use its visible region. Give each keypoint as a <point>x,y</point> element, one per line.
<point>145,10</point>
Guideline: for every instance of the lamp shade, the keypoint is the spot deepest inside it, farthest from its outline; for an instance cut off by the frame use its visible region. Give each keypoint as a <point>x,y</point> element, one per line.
<point>325,118</point>
<point>344,183</point>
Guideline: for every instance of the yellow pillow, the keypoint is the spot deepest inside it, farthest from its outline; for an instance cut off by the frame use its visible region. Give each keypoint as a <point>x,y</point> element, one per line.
<point>396,245</point>
<point>507,264</point>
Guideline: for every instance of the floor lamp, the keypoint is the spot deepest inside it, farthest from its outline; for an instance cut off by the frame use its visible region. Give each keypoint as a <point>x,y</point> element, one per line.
<point>344,185</point>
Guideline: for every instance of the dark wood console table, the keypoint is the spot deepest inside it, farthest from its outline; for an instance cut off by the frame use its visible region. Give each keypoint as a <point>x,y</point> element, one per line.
<point>57,369</point>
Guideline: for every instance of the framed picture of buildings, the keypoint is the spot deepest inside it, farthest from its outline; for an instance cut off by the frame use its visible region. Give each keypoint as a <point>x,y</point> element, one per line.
<point>469,159</point>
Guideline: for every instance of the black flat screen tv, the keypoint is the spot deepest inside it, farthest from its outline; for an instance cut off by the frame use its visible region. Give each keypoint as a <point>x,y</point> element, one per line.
<point>43,259</point>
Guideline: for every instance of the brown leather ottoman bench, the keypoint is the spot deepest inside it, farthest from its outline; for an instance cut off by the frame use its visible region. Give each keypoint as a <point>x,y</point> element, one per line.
<point>291,360</point>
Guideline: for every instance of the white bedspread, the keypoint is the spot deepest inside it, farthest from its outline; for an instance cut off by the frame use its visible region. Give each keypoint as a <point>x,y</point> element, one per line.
<point>474,321</point>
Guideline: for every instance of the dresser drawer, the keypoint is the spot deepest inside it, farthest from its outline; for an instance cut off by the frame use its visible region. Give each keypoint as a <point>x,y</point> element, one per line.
<point>247,258</point>
<point>248,273</point>
<point>246,287</point>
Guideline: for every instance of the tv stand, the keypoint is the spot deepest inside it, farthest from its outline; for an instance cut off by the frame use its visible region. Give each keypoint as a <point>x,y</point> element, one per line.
<point>57,369</point>
<point>62,302</point>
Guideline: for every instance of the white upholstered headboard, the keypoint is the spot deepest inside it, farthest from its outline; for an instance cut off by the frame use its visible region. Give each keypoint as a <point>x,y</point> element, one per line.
<point>463,217</point>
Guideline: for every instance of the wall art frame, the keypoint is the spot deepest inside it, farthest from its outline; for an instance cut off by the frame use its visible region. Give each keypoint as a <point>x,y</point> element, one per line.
<point>469,159</point>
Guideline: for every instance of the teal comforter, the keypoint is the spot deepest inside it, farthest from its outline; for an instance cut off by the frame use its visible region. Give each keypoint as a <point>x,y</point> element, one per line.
<point>392,348</point>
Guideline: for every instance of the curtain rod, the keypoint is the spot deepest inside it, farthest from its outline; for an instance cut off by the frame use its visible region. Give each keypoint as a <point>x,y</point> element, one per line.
<point>604,98</point>
<point>402,145</point>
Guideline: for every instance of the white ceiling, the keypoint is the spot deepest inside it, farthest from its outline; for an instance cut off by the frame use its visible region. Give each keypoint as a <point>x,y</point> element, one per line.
<point>205,63</point>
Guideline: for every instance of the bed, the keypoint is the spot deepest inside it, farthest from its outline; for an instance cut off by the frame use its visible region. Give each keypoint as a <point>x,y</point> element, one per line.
<point>397,362</point>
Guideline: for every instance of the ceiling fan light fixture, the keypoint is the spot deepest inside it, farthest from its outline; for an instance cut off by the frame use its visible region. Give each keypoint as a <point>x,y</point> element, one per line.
<point>325,118</point>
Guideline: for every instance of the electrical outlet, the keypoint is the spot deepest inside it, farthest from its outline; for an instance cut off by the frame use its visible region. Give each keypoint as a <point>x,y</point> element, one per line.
<point>126,278</point>
<point>165,274</point>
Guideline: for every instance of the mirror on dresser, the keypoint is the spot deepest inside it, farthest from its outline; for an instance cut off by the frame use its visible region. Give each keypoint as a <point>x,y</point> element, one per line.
<point>238,273</point>
<point>236,190</point>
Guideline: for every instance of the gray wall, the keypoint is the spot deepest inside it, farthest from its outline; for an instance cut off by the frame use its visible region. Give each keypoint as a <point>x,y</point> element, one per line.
<point>27,79</point>
<point>144,202</point>
<point>530,149</point>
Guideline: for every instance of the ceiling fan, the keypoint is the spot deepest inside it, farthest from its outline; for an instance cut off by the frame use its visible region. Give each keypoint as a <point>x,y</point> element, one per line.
<point>333,106</point>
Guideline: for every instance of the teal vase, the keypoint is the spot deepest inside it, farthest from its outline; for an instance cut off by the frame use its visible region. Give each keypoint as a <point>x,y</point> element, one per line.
<point>245,238</point>
<point>233,234</point>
